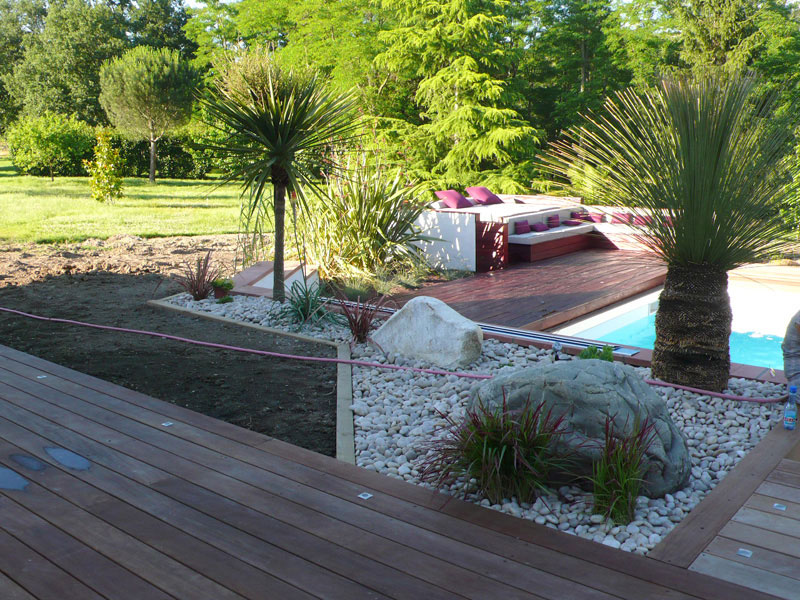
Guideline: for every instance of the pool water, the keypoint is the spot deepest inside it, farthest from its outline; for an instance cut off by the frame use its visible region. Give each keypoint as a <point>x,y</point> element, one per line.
<point>748,348</point>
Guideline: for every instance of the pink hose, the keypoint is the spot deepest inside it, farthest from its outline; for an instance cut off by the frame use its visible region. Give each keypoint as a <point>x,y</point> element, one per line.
<point>165,336</point>
<point>359,363</point>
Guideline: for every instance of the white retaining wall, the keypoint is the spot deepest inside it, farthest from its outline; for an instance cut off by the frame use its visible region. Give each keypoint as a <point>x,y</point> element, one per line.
<point>457,231</point>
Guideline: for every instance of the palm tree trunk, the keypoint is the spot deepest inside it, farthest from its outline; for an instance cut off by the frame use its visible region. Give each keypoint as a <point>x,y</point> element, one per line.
<point>152,161</point>
<point>693,327</point>
<point>278,291</point>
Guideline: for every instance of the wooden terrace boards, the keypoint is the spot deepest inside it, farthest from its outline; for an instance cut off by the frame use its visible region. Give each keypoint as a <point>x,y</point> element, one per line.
<point>541,295</point>
<point>108,493</point>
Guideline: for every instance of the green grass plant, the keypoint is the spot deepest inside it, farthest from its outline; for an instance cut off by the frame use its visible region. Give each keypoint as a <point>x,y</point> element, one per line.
<point>34,209</point>
<point>307,303</point>
<point>617,476</point>
<point>509,453</point>
<point>607,353</point>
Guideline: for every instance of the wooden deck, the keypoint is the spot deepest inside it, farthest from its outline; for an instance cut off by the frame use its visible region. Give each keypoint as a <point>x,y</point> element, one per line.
<point>547,293</point>
<point>153,501</point>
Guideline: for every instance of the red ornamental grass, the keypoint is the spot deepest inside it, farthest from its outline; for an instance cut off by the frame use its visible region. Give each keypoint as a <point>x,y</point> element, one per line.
<point>361,315</point>
<point>617,476</point>
<point>198,279</point>
<point>509,453</point>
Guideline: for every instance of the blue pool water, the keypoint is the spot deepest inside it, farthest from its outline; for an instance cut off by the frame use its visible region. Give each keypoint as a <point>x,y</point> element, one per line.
<point>746,348</point>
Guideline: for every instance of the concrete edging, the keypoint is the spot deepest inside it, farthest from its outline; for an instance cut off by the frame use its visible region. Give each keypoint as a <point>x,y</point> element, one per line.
<point>345,431</point>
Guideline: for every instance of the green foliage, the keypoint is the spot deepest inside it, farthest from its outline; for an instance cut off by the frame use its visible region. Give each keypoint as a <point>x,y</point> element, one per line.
<point>510,454</point>
<point>223,284</point>
<point>177,157</point>
<point>364,222</point>
<point>160,24</point>
<point>105,171</point>
<point>146,93</point>
<point>471,131</point>
<point>617,477</point>
<point>280,123</point>
<point>607,353</point>
<point>59,71</point>
<point>707,159</point>
<point>307,304</point>
<point>50,144</point>
<point>225,300</point>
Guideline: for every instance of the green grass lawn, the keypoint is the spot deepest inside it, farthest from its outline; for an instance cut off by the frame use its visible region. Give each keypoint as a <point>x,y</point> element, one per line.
<point>34,209</point>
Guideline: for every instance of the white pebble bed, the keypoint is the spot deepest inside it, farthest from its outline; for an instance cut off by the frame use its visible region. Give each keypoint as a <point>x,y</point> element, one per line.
<point>396,413</point>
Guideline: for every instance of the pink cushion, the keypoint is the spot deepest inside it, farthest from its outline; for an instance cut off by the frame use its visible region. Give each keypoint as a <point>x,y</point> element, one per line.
<point>596,217</point>
<point>453,199</point>
<point>521,227</point>
<point>572,222</point>
<point>579,214</point>
<point>539,227</point>
<point>482,195</point>
<point>642,219</point>
<point>553,221</point>
<point>621,217</point>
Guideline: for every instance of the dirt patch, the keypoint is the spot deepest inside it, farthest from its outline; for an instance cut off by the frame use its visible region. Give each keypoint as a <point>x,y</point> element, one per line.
<point>110,283</point>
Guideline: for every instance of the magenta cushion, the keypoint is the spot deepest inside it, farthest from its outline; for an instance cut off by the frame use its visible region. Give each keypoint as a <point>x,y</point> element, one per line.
<point>642,219</point>
<point>539,227</point>
<point>578,214</point>
<point>482,195</point>
<point>522,227</point>
<point>553,221</point>
<point>572,222</point>
<point>621,217</point>
<point>453,199</point>
<point>596,217</point>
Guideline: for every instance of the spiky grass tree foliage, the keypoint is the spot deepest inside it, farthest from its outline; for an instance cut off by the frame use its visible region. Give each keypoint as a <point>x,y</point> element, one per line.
<point>280,124</point>
<point>706,163</point>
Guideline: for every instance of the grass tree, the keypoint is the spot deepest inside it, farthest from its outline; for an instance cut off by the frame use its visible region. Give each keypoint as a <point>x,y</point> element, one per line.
<point>707,163</point>
<point>147,93</point>
<point>282,124</point>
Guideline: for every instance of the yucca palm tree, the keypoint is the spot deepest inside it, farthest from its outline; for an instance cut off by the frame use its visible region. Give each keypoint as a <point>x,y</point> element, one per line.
<point>281,124</point>
<point>706,162</point>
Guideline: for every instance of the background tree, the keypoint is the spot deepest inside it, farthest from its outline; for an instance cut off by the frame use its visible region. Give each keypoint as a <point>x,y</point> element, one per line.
<point>280,123</point>
<point>160,24</point>
<point>470,131</point>
<point>59,71</point>
<point>709,162</point>
<point>147,93</point>
<point>19,19</point>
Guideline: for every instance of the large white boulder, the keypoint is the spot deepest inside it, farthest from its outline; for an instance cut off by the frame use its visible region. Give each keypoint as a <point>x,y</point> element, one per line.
<point>427,329</point>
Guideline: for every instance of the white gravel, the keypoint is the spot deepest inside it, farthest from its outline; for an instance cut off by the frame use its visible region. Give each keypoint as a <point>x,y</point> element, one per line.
<point>395,415</point>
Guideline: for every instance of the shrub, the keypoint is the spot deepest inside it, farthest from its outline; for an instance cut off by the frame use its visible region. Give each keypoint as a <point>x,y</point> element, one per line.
<point>617,476</point>
<point>105,171</point>
<point>50,144</point>
<point>360,315</point>
<point>364,222</point>
<point>198,280</point>
<point>307,304</point>
<point>508,453</point>
<point>607,353</point>
<point>175,158</point>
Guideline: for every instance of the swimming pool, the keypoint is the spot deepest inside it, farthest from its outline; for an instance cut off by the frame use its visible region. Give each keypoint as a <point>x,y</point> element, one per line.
<point>760,316</point>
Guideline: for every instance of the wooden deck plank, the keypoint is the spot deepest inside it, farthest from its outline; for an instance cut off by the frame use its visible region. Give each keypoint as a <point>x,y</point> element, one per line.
<point>11,591</point>
<point>762,558</point>
<point>756,579</point>
<point>201,481</point>
<point>404,533</point>
<point>389,528</point>
<point>159,534</point>
<point>89,532</point>
<point>691,536</point>
<point>549,292</point>
<point>326,553</point>
<point>754,536</point>
<point>242,545</point>
<point>39,576</point>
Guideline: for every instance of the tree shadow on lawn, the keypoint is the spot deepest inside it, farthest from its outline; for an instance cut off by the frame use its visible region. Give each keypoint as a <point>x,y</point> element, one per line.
<point>294,401</point>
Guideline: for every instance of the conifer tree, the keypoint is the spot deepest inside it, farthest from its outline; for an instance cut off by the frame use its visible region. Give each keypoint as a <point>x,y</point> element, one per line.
<point>470,130</point>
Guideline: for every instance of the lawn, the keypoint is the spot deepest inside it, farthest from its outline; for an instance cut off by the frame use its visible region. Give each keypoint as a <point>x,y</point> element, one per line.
<point>34,209</point>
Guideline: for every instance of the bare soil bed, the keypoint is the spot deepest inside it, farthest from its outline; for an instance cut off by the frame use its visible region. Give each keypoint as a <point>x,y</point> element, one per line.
<point>109,282</point>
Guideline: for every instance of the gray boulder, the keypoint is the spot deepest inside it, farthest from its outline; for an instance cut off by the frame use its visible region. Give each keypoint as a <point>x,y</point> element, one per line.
<point>586,392</point>
<point>427,329</point>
